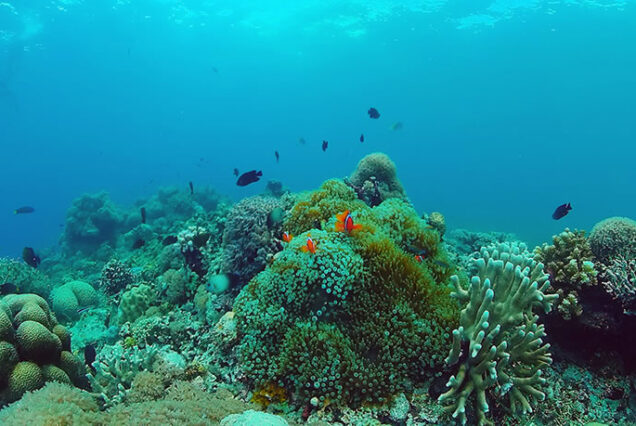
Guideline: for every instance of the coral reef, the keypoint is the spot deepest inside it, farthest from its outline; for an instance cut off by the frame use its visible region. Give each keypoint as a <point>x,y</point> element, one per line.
<point>375,180</point>
<point>613,236</point>
<point>91,221</point>
<point>135,302</point>
<point>436,221</point>
<point>570,263</point>
<point>358,319</point>
<point>34,348</point>
<point>498,349</point>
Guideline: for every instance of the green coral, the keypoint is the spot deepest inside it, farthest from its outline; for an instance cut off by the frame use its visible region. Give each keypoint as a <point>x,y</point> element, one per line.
<point>31,347</point>
<point>498,351</point>
<point>375,179</point>
<point>357,320</point>
<point>135,302</point>
<point>68,298</point>
<point>570,263</point>
<point>24,277</point>
<point>612,237</point>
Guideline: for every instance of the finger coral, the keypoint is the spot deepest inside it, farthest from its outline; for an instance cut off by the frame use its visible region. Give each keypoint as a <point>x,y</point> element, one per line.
<point>498,349</point>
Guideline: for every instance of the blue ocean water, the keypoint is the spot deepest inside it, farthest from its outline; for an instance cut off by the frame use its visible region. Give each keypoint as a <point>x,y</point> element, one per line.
<point>509,108</point>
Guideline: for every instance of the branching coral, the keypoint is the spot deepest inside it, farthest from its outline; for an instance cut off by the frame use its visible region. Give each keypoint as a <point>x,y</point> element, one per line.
<point>498,349</point>
<point>570,263</point>
<point>356,320</point>
<point>621,282</point>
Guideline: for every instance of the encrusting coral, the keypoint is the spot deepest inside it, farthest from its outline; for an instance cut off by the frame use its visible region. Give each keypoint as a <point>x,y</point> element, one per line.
<point>359,318</point>
<point>570,263</point>
<point>498,349</point>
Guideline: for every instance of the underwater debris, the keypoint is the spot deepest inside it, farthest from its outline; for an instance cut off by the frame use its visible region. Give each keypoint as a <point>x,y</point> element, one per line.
<point>249,177</point>
<point>24,210</point>
<point>561,211</point>
<point>29,256</point>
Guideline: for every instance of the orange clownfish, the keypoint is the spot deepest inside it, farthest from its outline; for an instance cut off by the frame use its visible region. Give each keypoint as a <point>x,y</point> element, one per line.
<point>310,246</point>
<point>344,223</point>
<point>287,237</point>
<point>419,257</point>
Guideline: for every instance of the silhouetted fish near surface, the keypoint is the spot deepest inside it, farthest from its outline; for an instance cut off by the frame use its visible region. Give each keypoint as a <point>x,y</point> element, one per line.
<point>249,177</point>
<point>277,156</point>
<point>373,113</point>
<point>8,288</point>
<point>191,188</point>
<point>143,215</point>
<point>24,210</point>
<point>89,356</point>
<point>561,211</point>
<point>362,137</point>
<point>170,239</point>
<point>325,144</point>
<point>29,256</point>
<point>139,243</point>
<point>236,172</point>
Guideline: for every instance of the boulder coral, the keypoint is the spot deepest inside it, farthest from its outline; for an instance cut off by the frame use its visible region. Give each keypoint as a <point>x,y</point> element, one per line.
<point>34,348</point>
<point>355,321</point>
<point>612,237</point>
<point>498,349</point>
<point>375,180</point>
<point>68,298</point>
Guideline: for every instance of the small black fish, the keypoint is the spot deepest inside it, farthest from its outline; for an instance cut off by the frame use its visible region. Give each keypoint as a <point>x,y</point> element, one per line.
<point>277,156</point>
<point>301,141</point>
<point>325,144</point>
<point>362,137</point>
<point>8,288</point>
<point>200,240</point>
<point>236,172</point>
<point>30,257</point>
<point>170,239</point>
<point>561,211</point>
<point>89,356</point>
<point>373,113</point>
<point>191,188</point>
<point>24,210</point>
<point>139,243</point>
<point>249,177</point>
<point>143,215</point>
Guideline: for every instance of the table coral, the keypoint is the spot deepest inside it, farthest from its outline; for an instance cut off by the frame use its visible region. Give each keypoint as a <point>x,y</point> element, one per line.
<point>498,349</point>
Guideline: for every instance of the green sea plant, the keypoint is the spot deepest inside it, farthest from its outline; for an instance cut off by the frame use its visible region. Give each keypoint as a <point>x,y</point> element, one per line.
<point>498,350</point>
<point>357,320</point>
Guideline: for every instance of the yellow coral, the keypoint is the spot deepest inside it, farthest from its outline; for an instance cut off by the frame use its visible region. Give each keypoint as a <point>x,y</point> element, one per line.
<point>271,393</point>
